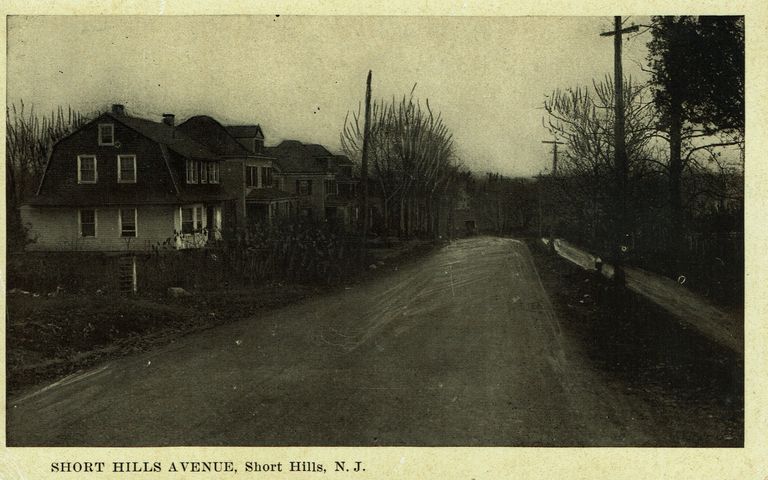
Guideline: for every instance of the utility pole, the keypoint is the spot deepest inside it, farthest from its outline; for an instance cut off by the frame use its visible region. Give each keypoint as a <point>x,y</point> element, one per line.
<point>554,143</point>
<point>620,149</point>
<point>538,198</point>
<point>364,161</point>
<point>552,186</point>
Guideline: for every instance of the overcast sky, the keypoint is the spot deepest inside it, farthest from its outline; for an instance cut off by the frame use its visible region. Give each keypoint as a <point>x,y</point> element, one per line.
<point>298,76</point>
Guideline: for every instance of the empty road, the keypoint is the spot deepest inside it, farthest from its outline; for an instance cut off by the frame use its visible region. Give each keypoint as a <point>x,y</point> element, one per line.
<point>461,347</point>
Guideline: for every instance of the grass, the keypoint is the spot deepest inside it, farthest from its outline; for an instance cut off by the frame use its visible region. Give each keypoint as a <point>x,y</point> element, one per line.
<point>49,337</point>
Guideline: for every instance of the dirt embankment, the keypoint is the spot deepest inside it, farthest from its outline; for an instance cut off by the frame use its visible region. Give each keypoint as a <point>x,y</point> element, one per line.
<point>636,344</point>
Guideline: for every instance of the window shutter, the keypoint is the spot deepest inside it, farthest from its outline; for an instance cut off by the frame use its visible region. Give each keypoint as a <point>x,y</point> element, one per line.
<point>309,187</point>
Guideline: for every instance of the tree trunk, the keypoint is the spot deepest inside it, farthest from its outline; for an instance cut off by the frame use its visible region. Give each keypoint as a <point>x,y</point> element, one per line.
<point>385,210</point>
<point>676,217</point>
<point>436,218</point>
<point>408,217</point>
<point>401,231</point>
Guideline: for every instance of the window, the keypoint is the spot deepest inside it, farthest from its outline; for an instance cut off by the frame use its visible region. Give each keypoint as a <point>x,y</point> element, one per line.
<point>304,187</point>
<point>87,220</point>
<point>192,219</point>
<point>213,172</point>
<point>192,167</point>
<point>346,189</point>
<point>331,187</point>
<point>106,134</point>
<point>187,220</point>
<point>86,169</point>
<point>128,217</point>
<point>252,176</point>
<point>126,168</point>
<point>266,177</point>
<point>202,172</point>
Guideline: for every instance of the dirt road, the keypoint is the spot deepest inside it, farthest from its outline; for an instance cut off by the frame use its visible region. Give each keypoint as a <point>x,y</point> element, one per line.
<point>459,348</point>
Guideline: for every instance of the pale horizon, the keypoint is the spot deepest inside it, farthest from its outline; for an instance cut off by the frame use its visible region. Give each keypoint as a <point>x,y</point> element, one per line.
<point>298,76</point>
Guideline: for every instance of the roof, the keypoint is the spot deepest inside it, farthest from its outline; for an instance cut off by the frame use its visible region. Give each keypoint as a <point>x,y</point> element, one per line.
<point>209,132</point>
<point>173,144</point>
<point>318,150</point>
<point>164,134</point>
<point>245,131</point>
<point>295,157</point>
<point>268,194</point>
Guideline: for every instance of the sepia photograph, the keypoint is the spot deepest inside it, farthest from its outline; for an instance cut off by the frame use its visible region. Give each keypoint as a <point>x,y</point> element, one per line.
<point>362,231</point>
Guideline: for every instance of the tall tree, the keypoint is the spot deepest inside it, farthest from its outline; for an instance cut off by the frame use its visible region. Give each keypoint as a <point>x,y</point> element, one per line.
<point>718,92</point>
<point>697,68</point>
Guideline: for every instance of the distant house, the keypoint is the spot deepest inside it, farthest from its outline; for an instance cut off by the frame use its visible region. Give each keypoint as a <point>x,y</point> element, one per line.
<point>122,183</point>
<point>342,202</point>
<point>247,172</point>
<point>322,181</point>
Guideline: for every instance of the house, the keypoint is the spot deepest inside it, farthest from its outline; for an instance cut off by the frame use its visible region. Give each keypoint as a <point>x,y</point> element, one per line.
<point>121,183</point>
<point>322,181</point>
<point>341,202</point>
<point>246,171</point>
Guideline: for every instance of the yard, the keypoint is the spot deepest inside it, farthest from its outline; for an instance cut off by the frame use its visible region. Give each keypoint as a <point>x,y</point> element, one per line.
<point>53,332</point>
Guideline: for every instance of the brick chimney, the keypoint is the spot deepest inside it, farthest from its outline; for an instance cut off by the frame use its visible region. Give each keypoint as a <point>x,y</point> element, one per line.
<point>169,119</point>
<point>118,109</point>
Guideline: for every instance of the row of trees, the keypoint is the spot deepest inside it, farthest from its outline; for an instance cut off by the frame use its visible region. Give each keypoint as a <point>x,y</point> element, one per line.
<point>412,159</point>
<point>682,126</point>
<point>684,138</point>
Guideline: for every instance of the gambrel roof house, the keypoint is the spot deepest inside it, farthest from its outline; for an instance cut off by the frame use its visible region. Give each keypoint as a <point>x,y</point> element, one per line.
<point>125,183</point>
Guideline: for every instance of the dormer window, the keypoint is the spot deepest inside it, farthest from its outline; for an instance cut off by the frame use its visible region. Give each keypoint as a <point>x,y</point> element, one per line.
<point>192,169</point>
<point>126,168</point>
<point>86,169</point>
<point>202,172</point>
<point>106,134</point>
<point>213,172</point>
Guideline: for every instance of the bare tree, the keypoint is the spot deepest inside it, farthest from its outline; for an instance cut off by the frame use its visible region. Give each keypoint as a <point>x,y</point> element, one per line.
<point>412,159</point>
<point>583,118</point>
<point>28,142</point>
